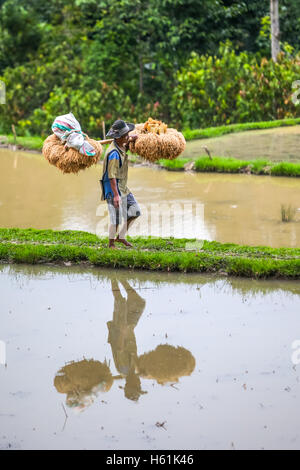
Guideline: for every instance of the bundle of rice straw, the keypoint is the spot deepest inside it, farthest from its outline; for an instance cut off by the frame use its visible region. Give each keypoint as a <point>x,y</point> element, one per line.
<point>155,141</point>
<point>69,160</point>
<point>68,148</point>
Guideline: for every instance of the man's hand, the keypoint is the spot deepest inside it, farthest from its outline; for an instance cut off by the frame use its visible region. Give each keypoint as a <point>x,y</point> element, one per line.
<point>116,201</point>
<point>114,187</point>
<point>132,138</point>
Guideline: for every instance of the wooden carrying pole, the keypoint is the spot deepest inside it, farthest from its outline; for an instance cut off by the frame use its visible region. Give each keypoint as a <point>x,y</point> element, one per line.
<point>106,141</point>
<point>14,133</point>
<point>103,129</point>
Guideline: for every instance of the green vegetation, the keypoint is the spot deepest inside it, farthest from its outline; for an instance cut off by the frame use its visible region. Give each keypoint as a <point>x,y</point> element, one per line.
<point>285,169</point>
<point>36,142</point>
<point>202,164</point>
<point>288,213</point>
<point>173,165</point>
<point>158,254</point>
<point>233,165</point>
<point>260,167</point>
<point>219,164</point>
<point>169,59</point>
<point>218,131</point>
<point>30,143</point>
<point>233,88</point>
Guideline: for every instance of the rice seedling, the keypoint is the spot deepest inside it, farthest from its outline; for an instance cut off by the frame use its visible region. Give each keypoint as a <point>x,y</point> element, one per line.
<point>288,213</point>
<point>285,169</point>
<point>220,164</point>
<point>149,253</point>
<point>218,131</point>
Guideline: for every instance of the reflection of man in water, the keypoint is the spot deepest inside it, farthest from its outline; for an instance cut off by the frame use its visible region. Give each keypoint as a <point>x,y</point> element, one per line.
<point>165,364</point>
<point>126,315</point>
<point>82,381</point>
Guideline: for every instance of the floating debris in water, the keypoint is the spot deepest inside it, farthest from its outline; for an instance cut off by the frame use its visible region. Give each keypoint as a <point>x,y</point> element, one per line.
<point>161,425</point>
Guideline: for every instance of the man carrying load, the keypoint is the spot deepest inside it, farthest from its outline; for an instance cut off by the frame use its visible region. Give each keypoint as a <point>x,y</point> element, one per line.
<point>120,200</point>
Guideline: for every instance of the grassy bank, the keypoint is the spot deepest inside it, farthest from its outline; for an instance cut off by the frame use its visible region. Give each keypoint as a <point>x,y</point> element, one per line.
<point>204,164</point>
<point>36,142</point>
<point>149,253</point>
<point>191,134</point>
<point>27,143</point>
<point>234,165</point>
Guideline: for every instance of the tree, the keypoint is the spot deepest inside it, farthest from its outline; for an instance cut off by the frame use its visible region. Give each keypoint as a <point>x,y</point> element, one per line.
<point>20,34</point>
<point>275,30</point>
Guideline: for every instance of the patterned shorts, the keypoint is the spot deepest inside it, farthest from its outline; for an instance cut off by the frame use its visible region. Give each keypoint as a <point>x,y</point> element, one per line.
<point>128,208</point>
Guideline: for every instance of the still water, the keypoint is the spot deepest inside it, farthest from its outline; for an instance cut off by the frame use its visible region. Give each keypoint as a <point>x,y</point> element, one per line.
<point>243,209</point>
<point>100,359</point>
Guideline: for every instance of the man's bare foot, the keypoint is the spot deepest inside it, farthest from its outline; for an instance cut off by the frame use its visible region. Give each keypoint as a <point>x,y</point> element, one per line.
<point>125,242</point>
<point>111,244</point>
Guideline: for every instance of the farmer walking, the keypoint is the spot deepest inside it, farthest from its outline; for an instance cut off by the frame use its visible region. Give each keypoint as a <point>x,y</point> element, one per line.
<point>122,205</point>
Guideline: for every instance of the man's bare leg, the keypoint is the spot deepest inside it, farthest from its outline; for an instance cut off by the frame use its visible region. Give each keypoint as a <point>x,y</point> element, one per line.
<point>113,229</point>
<point>121,237</point>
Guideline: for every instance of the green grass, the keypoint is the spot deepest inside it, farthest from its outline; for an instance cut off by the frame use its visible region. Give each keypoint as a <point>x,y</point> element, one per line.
<point>149,253</point>
<point>234,165</point>
<point>288,213</point>
<point>191,134</point>
<point>36,142</point>
<point>173,165</point>
<point>30,143</point>
<point>285,169</point>
<point>219,164</point>
<point>204,164</point>
<point>260,166</point>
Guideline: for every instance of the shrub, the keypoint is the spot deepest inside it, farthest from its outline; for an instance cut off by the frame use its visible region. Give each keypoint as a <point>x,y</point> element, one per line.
<point>234,88</point>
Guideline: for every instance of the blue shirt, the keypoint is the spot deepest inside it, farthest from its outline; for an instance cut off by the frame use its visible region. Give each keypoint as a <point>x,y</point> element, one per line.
<point>113,155</point>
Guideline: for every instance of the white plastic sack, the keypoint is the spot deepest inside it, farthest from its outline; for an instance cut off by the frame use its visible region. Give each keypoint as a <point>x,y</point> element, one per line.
<point>68,129</point>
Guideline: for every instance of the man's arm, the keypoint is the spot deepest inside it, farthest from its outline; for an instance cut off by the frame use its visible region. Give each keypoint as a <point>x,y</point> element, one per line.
<point>116,199</point>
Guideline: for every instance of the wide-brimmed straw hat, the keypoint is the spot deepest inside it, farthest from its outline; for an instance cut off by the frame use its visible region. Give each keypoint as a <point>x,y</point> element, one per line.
<point>119,128</point>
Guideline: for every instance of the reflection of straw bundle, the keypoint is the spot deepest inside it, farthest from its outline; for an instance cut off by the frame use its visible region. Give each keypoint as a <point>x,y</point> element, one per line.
<point>155,141</point>
<point>83,376</point>
<point>166,363</point>
<point>69,160</point>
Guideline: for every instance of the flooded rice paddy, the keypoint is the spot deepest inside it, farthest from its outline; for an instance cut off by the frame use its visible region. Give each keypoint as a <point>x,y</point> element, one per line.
<point>100,359</point>
<point>103,359</point>
<point>243,209</point>
<point>272,144</point>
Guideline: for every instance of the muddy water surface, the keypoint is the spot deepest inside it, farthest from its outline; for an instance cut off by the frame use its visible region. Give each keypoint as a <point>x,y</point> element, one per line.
<point>107,360</point>
<point>243,209</point>
<point>272,144</point>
